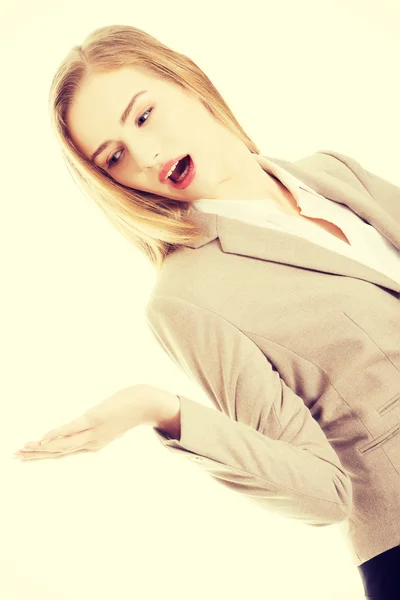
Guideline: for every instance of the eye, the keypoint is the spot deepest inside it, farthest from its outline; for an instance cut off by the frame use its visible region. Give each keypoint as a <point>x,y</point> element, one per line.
<point>147,111</point>
<point>110,162</point>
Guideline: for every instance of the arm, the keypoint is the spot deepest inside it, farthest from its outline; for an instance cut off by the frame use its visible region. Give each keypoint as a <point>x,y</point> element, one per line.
<point>168,413</point>
<point>262,441</point>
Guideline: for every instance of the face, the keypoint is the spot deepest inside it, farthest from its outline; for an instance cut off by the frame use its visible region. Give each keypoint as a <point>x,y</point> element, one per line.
<point>165,123</point>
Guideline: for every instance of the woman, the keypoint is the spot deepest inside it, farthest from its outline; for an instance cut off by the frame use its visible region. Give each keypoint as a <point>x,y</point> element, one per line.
<point>277,290</point>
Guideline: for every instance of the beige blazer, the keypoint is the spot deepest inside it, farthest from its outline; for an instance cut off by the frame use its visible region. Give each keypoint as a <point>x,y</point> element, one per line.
<point>298,349</point>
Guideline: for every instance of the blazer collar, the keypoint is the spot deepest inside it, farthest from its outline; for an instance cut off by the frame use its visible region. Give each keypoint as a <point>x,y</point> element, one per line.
<point>238,237</point>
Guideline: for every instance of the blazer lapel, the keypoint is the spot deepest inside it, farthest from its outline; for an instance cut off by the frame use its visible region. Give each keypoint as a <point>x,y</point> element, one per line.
<point>247,239</point>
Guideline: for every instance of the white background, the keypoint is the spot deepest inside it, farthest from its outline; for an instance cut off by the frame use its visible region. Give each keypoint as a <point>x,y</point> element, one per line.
<point>134,521</point>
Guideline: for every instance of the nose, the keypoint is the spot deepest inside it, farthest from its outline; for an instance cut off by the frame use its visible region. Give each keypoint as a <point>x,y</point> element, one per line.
<point>145,158</point>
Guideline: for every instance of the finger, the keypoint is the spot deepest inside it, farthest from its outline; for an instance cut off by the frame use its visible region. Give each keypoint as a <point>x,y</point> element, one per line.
<point>66,443</point>
<point>75,426</point>
<point>31,452</point>
<point>32,445</point>
<point>28,456</point>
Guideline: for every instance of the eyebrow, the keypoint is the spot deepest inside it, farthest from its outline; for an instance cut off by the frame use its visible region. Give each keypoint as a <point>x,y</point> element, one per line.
<point>122,121</point>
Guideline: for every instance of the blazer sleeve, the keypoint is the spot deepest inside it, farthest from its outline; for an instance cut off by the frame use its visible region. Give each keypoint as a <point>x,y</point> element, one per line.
<point>261,440</point>
<point>384,192</point>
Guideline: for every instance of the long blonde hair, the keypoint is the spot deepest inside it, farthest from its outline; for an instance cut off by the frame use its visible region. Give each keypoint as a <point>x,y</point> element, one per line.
<point>154,224</point>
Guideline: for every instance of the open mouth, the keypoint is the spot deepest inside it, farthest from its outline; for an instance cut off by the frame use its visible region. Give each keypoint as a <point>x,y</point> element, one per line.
<point>181,170</point>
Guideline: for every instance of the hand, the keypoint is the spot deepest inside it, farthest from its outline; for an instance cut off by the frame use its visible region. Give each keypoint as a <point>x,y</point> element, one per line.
<point>98,426</point>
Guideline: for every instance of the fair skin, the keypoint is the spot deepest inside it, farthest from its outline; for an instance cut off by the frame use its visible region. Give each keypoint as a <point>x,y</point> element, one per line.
<point>178,124</point>
<point>110,419</point>
<point>171,123</point>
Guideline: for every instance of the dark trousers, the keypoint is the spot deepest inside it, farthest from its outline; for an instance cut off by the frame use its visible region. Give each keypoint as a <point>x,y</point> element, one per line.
<point>381,575</point>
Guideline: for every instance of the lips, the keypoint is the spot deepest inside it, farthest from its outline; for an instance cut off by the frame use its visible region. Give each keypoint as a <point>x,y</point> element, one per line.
<point>163,173</point>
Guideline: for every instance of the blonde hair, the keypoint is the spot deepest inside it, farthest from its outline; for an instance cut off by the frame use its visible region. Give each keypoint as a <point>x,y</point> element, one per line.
<point>154,224</point>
